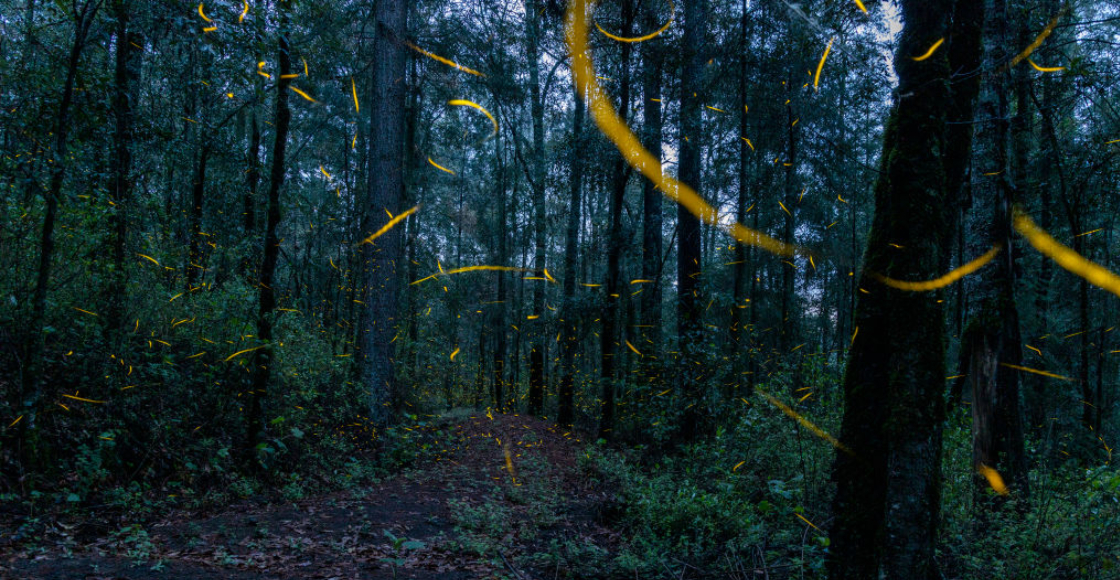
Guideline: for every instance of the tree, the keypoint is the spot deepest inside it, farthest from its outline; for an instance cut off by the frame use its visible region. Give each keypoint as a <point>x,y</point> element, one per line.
<point>126,73</point>
<point>993,339</point>
<point>386,189</point>
<point>32,394</point>
<point>887,501</point>
<point>566,401</point>
<point>620,174</point>
<point>537,183</point>
<point>688,225</point>
<point>262,358</point>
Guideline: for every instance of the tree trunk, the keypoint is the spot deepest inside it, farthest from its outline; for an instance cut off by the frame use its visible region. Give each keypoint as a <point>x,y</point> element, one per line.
<point>887,502</point>
<point>688,229</point>
<point>740,301</point>
<point>126,75</point>
<point>253,176</point>
<point>787,327</point>
<point>262,358</point>
<point>536,328</point>
<point>36,345</point>
<point>651,198</point>
<point>386,190</point>
<point>609,340</point>
<point>993,337</point>
<point>499,313</point>
<point>198,190</point>
<point>566,412</point>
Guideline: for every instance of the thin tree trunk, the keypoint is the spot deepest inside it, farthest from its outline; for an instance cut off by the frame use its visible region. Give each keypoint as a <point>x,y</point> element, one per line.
<point>253,176</point>
<point>536,330</point>
<point>609,340</point>
<point>198,190</point>
<point>33,371</point>
<point>688,229</point>
<point>262,358</point>
<point>739,276</point>
<point>787,327</point>
<point>126,74</point>
<point>651,198</point>
<point>566,412</point>
<point>499,317</point>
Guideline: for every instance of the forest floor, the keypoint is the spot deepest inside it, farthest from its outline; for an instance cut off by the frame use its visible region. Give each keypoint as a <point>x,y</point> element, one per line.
<point>509,501</point>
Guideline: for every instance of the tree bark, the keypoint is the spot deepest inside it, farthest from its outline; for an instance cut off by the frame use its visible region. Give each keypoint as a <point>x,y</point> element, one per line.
<point>566,411</point>
<point>740,301</point>
<point>535,328</point>
<point>126,74</point>
<point>887,502</point>
<point>620,173</point>
<point>386,190</point>
<point>262,358</point>
<point>993,337</point>
<point>32,373</point>
<point>652,220</point>
<point>688,229</point>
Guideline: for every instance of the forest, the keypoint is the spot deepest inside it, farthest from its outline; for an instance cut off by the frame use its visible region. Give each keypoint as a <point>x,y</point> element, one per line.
<point>526,289</point>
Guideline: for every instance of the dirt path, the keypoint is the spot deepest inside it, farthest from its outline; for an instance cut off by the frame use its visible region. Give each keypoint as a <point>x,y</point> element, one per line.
<point>508,502</point>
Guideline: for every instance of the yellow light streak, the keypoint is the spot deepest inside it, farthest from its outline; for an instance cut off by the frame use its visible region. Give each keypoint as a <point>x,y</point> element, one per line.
<point>943,281</point>
<point>84,400</point>
<point>993,477</point>
<point>392,223</point>
<point>1045,69</point>
<point>1035,371</point>
<point>635,154</point>
<point>1038,39</point>
<point>929,52</point>
<point>806,423</point>
<point>820,65</point>
<point>241,352</point>
<point>654,34</point>
<point>1064,256</point>
<point>445,61</point>
<point>302,94</point>
<point>149,258</point>
<point>440,167</point>
<point>474,105</point>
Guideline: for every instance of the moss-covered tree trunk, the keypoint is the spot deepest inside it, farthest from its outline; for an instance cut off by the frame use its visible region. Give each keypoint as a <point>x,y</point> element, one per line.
<point>888,496</point>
